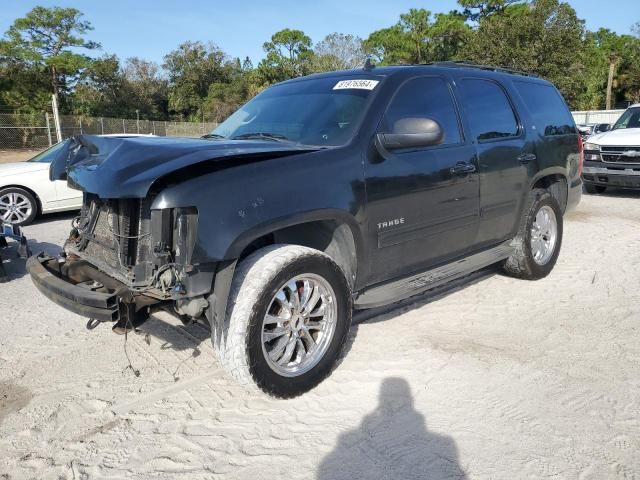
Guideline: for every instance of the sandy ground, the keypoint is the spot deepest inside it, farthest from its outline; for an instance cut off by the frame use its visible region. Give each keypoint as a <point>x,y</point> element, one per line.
<point>7,156</point>
<point>493,379</point>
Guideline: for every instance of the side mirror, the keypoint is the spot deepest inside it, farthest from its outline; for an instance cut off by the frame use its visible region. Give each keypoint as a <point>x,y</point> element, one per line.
<point>412,133</point>
<point>603,127</point>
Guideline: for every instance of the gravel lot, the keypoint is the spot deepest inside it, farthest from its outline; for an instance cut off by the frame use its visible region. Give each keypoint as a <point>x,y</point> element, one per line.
<point>495,378</point>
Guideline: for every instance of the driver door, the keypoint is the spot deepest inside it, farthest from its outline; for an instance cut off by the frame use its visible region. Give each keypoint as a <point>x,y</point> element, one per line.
<point>422,203</point>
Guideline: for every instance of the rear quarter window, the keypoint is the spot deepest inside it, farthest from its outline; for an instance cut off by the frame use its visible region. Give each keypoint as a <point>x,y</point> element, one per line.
<point>489,111</point>
<point>549,112</point>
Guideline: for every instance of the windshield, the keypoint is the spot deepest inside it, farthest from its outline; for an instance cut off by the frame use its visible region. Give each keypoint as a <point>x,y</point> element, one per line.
<point>323,111</point>
<point>49,154</point>
<point>629,119</point>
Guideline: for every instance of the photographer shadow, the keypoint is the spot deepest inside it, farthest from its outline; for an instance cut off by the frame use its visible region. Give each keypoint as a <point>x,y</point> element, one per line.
<point>392,442</point>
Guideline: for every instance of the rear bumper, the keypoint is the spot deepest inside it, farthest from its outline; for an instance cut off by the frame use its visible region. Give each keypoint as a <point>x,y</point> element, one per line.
<point>48,275</point>
<point>612,177</point>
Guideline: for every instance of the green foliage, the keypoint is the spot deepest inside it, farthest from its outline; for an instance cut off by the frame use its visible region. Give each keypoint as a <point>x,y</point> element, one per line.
<point>50,37</point>
<point>191,69</point>
<point>417,39</point>
<point>544,37</point>
<point>475,10</point>
<point>41,53</point>
<point>288,55</point>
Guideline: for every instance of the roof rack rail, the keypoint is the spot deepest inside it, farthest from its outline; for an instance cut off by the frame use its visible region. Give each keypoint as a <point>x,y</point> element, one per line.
<point>467,64</point>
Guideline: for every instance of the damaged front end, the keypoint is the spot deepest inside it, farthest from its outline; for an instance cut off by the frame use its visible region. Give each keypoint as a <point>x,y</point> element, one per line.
<point>122,260</point>
<point>131,249</point>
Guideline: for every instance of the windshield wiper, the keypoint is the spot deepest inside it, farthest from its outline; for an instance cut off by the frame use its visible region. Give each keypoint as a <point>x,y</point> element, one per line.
<point>212,135</point>
<point>262,135</point>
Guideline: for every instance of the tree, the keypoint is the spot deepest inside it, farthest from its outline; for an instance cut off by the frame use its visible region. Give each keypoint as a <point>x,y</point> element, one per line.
<point>101,89</point>
<point>148,91</point>
<point>389,46</point>
<point>449,35</point>
<point>417,39</point>
<point>50,37</point>
<point>191,69</point>
<point>288,55</point>
<point>475,10</point>
<point>338,51</point>
<point>610,62</point>
<point>629,77</point>
<point>416,25</point>
<point>405,42</point>
<point>544,37</point>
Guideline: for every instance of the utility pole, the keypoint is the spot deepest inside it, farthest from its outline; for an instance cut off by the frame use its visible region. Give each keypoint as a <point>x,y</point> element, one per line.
<point>56,117</point>
<point>138,120</point>
<point>46,118</point>
<point>613,60</point>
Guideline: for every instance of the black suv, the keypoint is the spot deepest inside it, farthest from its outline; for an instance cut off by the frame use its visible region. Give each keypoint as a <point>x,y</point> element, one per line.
<point>322,194</point>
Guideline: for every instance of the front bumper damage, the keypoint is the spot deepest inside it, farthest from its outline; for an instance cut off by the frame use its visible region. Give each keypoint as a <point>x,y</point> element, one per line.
<point>77,286</point>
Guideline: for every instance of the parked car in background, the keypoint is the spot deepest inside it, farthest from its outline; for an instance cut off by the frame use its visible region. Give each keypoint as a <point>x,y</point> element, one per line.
<point>588,129</point>
<point>26,191</point>
<point>341,190</point>
<point>612,158</point>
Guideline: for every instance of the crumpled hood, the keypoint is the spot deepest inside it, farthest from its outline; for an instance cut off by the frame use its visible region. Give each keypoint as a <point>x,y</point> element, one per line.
<point>128,167</point>
<point>621,137</point>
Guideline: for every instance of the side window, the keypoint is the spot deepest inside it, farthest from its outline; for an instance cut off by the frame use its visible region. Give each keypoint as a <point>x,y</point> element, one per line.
<point>488,110</point>
<point>425,97</point>
<point>549,112</point>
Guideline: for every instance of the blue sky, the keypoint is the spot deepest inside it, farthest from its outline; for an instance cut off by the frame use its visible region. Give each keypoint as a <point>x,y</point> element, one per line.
<point>151,28</point>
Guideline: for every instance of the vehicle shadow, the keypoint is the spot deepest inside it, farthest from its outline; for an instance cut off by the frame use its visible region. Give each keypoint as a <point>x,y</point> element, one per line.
<point>392,442</point>
<point>167,328</point>
<point>191,336</point>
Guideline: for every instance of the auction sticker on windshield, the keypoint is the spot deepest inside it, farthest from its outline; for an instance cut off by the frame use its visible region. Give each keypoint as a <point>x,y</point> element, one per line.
<point>361,84</point>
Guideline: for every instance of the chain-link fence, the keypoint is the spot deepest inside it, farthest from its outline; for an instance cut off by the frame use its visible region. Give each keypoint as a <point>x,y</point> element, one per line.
<point>21,130</point>
<point>18,131</point>
<point>25,130</point>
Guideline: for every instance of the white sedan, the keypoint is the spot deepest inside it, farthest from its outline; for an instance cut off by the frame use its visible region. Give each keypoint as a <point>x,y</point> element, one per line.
<point>26,191</point>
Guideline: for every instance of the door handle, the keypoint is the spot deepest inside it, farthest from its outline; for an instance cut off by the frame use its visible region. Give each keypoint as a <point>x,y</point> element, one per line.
<point>462,169</point>
<point>526,157</point>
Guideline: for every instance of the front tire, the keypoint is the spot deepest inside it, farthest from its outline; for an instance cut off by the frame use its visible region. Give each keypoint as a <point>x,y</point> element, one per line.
<point>288,315</point>
<point>539,238</point>
<point>17,206</point>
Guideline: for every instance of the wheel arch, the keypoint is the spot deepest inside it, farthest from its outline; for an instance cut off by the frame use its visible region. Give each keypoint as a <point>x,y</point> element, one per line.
<point>556,183</point>
<point>333,232</point>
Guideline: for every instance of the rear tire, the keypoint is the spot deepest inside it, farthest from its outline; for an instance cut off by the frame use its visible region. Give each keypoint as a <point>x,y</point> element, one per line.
<point>539,238</point>
<point>17,206</point>
<point>275,338</point>
<point>593,189</point>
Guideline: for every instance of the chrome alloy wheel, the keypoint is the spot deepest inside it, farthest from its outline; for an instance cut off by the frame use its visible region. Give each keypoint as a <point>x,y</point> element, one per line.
<point>14,207</point>
<point>544,235</point>
<point>299,325</point>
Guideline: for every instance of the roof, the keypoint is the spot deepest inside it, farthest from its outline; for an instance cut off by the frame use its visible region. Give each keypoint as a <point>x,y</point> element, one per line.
<point>387,70</point>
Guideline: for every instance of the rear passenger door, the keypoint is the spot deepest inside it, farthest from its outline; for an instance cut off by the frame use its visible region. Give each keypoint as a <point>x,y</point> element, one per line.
<point>503,156</point>
<point>422,203</point>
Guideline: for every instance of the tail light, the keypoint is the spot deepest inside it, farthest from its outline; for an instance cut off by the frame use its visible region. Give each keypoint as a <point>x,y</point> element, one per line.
<point>580,155</point>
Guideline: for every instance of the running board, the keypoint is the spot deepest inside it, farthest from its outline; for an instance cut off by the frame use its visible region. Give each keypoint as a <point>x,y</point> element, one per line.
<point>396,290</point>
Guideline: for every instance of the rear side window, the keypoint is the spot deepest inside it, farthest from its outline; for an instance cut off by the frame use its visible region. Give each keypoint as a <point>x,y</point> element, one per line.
<point>488,110</point>
<point>548,110</point>
<point>425,97</point>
